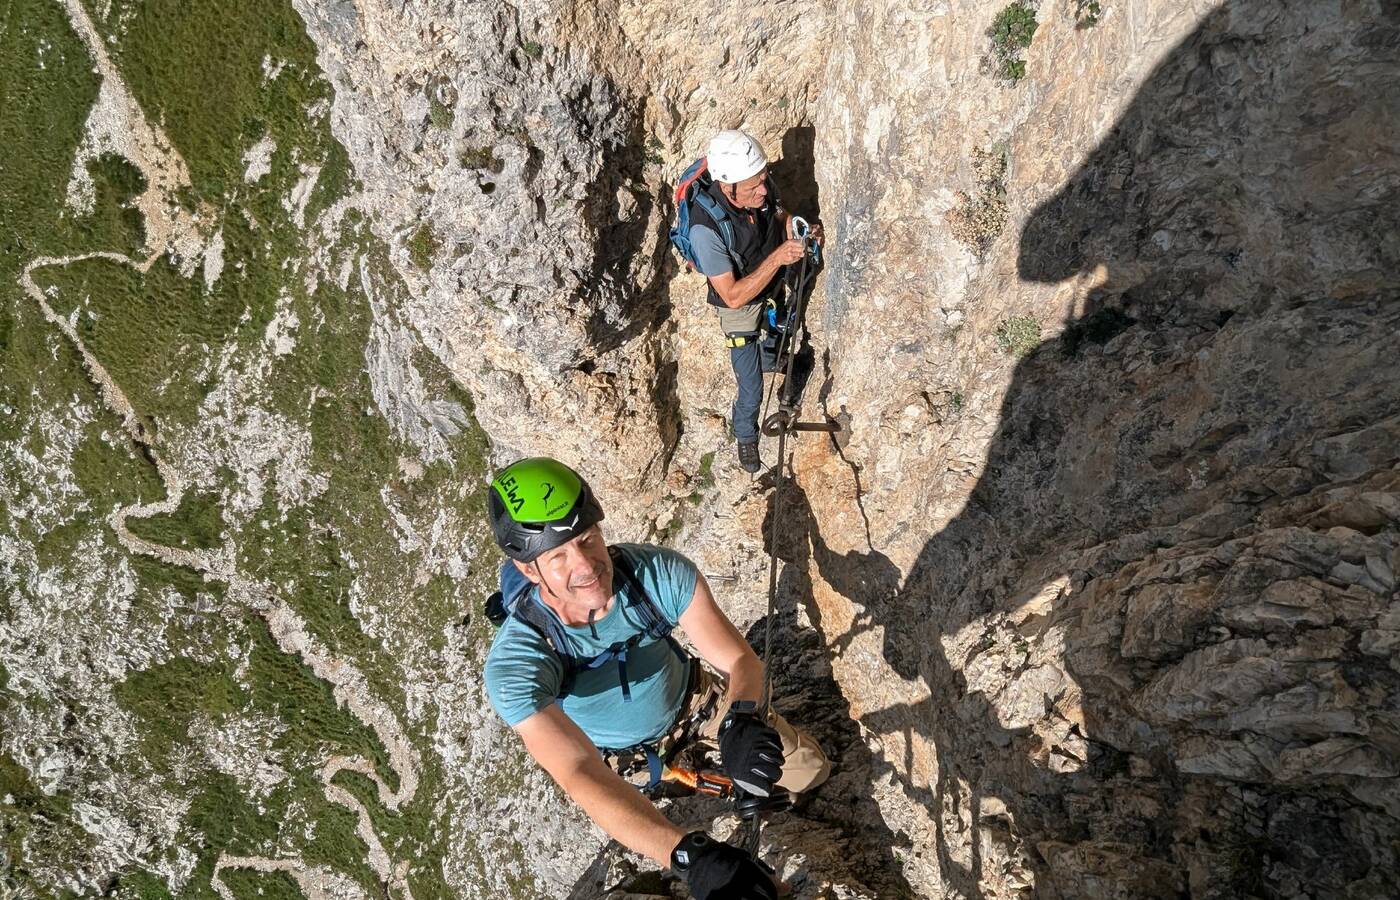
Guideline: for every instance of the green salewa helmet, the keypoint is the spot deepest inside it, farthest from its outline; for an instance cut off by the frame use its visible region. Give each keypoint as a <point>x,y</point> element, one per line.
<point>539,503</point>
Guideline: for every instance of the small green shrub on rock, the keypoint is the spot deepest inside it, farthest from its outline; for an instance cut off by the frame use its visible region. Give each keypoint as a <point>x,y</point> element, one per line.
<point>439,113</point>
<point>481,158</point>
<point>1018,335</point>
<point>979,218</point>
<point>422,247</point>
<point>1011,32</point>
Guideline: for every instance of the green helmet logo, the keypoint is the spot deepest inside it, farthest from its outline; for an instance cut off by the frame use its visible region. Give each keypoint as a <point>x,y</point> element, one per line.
<point>537,504</point>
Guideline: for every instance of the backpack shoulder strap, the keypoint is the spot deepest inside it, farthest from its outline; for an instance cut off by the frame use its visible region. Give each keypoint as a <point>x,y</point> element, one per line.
<point>530,611</point>
<point>718,214</point>
<point>640,602</point>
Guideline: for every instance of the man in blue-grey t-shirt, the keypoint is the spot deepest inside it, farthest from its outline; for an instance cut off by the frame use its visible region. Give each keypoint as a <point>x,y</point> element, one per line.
<point>745,272</point>
<point>584,661</point>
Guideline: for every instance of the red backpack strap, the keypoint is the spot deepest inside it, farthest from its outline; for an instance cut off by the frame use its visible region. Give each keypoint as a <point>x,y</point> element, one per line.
<point>690,176</point>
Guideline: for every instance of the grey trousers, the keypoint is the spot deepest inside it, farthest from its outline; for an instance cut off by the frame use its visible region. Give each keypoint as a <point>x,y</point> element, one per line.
<point>749,362</point>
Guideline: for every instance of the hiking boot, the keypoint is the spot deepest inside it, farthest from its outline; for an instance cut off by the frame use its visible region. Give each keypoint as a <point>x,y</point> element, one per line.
<point>748,458</point>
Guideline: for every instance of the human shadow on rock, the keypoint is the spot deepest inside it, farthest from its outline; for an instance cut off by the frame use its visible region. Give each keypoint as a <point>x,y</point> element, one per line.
<point>806,693</point>
<point>1245,212</point>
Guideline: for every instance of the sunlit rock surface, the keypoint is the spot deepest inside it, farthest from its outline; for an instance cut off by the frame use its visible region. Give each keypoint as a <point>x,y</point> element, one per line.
<point>1095,597</point>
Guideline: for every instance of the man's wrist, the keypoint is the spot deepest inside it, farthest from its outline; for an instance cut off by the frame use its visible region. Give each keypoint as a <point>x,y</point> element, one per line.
<point>736,709</point>
<point>687,848</point>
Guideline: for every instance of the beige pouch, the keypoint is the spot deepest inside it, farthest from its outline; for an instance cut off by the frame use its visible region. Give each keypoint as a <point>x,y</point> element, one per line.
<point>743,320</point>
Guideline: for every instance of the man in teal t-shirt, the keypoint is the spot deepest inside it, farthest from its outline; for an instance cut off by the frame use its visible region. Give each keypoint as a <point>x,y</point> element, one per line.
<point>523,675</point>
<point>584,661</point>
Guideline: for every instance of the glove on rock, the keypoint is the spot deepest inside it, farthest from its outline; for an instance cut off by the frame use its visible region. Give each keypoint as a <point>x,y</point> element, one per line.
<point>714,870</point>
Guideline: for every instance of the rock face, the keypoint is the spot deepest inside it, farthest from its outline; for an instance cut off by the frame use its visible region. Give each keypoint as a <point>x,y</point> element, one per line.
<point>1123,575</point>
<point>1096,596</point>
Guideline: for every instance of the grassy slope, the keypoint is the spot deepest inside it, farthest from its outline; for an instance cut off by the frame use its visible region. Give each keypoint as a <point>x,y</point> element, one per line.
<point>197,68</point>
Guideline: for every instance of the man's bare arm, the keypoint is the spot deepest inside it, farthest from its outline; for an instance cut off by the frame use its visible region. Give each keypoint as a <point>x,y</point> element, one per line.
<point>570,758</point>
<point>735,292</point>
<point>721,645</point>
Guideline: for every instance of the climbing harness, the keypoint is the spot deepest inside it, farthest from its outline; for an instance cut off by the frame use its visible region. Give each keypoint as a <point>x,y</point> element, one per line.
<point>660,756</point>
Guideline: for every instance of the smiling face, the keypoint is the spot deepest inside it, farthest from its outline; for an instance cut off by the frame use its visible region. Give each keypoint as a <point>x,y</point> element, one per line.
<point>575,578</point>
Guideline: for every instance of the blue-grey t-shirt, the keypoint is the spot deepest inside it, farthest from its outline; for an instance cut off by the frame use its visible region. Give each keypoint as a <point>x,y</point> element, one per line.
<point>523,675</point>
<point>710,254</point>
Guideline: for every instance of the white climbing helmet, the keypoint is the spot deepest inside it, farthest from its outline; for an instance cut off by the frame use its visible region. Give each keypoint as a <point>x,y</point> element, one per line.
<point>733,156</point>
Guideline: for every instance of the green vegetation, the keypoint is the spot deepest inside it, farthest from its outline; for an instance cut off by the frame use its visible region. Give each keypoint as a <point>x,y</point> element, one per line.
<point>956,401</point>
<point>533,49</point>
<point>163,50</point>
<point>123,314</point>
<point>169,698</point>
<point>1018,335</point>
<point>196,524</point>
<point>111,471</point>
<point>423,247</point>
<point>25,816</point>
<point>47,86</point>
<point>1011,32</point>
<point>1087,13</point>
<point>706,472</point>
<point>168,340</point>
<point>137,884</point>
<point>439,113</point>
<point>115,217</point>
<point>481,158</point>
<point>652,154</point>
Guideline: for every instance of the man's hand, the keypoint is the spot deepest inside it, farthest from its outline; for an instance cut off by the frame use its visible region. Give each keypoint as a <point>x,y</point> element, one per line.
<point>814,231</point>
<point>713,870</point>
<point>751,753</point>
<point>789,251</point>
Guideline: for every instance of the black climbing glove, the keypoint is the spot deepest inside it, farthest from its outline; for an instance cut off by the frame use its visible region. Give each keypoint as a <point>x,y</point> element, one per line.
<point>714,870</point>
<point>750,751</point>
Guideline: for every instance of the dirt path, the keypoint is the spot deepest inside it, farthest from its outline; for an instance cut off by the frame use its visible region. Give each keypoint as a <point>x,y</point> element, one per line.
<point>117,125</point>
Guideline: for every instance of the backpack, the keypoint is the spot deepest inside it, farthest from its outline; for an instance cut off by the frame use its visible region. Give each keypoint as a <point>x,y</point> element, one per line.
<point>516,598</point>
<point>692,189</point>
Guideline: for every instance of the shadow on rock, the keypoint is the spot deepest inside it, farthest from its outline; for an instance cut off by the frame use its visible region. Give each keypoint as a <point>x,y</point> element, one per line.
<point>1157,639</point>
<point>841,832</point>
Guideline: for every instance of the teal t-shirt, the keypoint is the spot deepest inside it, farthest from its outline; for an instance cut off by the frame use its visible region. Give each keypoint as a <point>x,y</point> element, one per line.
<point>523,675</point>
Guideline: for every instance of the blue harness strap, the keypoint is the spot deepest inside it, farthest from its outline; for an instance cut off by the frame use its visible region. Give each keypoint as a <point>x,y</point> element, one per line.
<point>526,606</point>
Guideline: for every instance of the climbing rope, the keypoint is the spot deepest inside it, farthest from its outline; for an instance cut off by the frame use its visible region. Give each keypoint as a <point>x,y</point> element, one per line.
<point>787,342</point>
<point>797,287</point>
